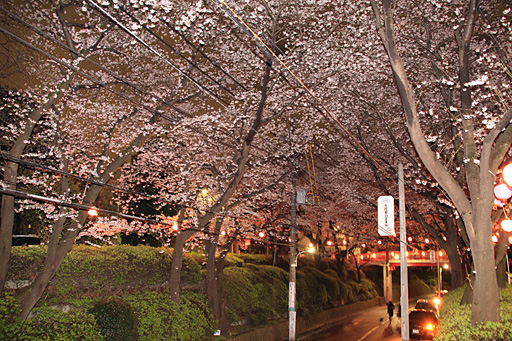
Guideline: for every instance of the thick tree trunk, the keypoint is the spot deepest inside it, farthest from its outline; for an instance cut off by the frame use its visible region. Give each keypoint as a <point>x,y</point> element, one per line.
<point>486,296</point>
<point>177,259</point>
<point>456,267</point>
<point>57,251</point>
<point>212,290</point>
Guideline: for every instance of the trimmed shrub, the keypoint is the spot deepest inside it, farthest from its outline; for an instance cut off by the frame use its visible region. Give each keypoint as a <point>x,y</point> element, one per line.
<point>255,293</point>
<point>116,320</point>
<point>162,319</point>
<point>250,258</point>
<point>455,322</point>
<point>92,272</point>
<point>47,323</point>
<point>10,325</point>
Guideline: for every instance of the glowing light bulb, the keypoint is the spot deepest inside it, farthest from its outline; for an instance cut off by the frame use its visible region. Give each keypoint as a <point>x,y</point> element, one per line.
<point>502,191</point>
<point>506,225</point>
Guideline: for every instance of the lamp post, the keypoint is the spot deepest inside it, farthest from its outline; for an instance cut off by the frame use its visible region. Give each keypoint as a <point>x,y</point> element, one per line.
<point>291,302</point>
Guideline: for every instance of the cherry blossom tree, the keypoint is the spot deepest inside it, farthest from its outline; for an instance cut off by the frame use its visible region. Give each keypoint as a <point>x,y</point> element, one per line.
<point>481,121</point>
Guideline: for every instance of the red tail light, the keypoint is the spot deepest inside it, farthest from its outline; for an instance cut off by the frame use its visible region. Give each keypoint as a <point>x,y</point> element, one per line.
<point>430,327</point>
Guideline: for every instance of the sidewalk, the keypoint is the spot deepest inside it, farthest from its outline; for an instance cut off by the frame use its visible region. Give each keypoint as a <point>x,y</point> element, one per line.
<point>309,324</point>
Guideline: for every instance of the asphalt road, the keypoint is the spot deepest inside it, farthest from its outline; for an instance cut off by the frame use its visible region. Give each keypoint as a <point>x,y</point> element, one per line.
<point>369,325</point>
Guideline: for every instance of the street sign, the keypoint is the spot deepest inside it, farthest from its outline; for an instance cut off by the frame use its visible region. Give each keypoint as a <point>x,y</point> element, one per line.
<point>301,196</point>
<point>433,256</point>
<point>386,218</point>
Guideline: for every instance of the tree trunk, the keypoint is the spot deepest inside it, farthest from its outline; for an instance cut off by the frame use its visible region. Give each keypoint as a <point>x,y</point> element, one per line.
<point>500,255</point>
<point>501,273</point>
<point>486,296</point>
<point>10,179</point>
<point>456,267</point>
<point>223,323</point>
<point>177,259</point>
<point>57,251</point>
<point>467,297</point>
<point>6,224</point>
<point>212,290</point>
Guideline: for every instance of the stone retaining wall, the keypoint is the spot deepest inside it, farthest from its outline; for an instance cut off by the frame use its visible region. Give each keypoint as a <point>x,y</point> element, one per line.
<point>308,324</point>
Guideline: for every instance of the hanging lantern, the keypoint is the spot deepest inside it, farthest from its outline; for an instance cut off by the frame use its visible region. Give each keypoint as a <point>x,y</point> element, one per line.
<point>502,191</point>
<point>507,174</point>
<point>498,202</point>
<point>506,225</point>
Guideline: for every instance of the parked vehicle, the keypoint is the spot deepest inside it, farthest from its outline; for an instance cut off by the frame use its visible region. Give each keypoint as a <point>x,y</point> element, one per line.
<point>423,323</point>
<point>428,304</point>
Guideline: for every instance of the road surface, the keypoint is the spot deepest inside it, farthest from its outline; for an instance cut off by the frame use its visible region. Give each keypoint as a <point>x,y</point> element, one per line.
<point>369,325</point>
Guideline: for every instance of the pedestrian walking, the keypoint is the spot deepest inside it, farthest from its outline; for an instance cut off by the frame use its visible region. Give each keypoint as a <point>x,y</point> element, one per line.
<point>391,308</point>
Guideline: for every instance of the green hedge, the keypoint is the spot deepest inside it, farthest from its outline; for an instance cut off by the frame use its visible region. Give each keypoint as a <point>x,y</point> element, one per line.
<point>455,322</point>
<point>90,271</point>
<point>257,294</point>
<point>162,319</point>
<point>154,315</point>
<point>47,323</point>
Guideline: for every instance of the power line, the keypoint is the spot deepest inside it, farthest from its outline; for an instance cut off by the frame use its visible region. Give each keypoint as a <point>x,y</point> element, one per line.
<point>201,52</point>
<point>243,25</point>
<point>101,67</point>
<point>121,94</point>
<point>176,51</point>
<point>112,74</point>
<point>158,54</point>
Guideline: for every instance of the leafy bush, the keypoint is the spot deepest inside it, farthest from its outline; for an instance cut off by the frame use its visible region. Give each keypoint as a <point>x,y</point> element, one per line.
<point>47,323</point>
<point>91,272</point>
<point>255,293</point>
<point>418,287</point>
<point>455,323</point>
<point>162,319</point>
<point>10,325</point>
<point>233,260</point>
<point>116,320</point>
<point>256,259</point>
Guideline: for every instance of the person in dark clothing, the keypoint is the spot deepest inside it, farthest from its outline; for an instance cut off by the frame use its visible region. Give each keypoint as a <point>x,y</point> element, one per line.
<point>391,308</point>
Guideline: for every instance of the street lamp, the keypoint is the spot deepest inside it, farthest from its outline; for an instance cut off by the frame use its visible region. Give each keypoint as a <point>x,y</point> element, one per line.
<point>291,300</point>
<point>310,249</point>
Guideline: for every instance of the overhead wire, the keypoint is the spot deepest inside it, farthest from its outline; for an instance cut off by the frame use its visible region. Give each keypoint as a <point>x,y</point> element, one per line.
<point>94,80</point>
<point>182,36</point>
<point>101,67</point>
<point>221,101</point>
<point>245,27</point>
<point>101,10</point>
<point>176,51</point>
<point>91,181</point>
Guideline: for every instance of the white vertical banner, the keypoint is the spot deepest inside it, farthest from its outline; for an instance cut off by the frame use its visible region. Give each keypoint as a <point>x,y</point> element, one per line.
<point>386,215</point>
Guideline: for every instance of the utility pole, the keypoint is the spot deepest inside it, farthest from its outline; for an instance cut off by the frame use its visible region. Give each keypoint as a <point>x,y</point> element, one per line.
<point>293,258</point>
<point>404,287</point>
